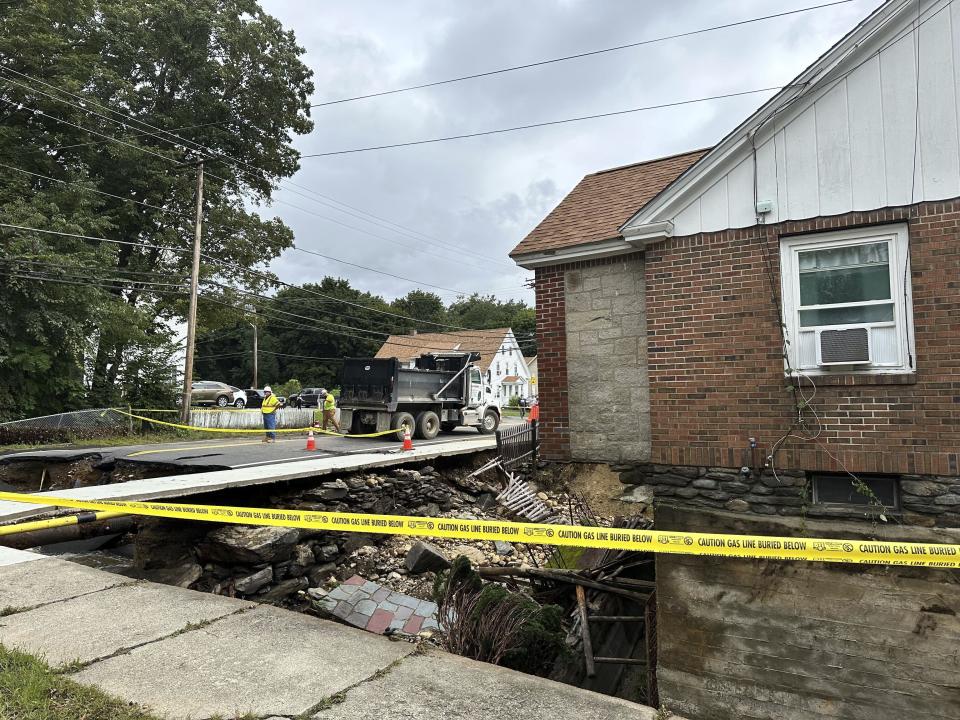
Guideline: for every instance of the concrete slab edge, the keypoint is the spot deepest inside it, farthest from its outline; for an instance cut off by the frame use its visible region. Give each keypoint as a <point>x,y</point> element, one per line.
<point>198,483</point>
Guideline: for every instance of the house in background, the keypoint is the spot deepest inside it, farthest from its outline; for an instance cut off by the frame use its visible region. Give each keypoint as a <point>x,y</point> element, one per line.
<point>501,359</point>
<point>532,371</point>
<point>757,325</point>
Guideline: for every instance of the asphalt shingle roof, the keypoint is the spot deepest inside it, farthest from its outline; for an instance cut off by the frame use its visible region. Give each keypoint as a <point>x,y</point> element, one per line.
<point>408,347</point>
<point>601,202</point>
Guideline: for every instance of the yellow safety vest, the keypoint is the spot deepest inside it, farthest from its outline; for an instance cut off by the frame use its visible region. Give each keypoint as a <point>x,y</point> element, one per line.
<point>329,402</point>
<point>269,404</point>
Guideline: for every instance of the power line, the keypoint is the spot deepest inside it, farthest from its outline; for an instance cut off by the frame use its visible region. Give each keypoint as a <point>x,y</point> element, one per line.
<point>184,215</point>
<point>85,129</point>
<point>379,272</point>
<point>211,154</point>
<point>576,56</point>
<point>234,266</point>
<point>224,180</point>
<point>516,128</point>
<point>99,284</point>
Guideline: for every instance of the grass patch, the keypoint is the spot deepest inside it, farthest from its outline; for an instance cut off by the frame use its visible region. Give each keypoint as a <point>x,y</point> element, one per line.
<point>10,610</point>
<point>30,690</point>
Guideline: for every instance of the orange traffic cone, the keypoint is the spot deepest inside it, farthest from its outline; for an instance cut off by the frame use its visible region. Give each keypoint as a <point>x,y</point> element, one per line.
<point>407,441</point>
<point>311,442</point>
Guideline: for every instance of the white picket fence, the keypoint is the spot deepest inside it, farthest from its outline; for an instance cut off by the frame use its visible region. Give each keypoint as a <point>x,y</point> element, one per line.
<point>250,419</point>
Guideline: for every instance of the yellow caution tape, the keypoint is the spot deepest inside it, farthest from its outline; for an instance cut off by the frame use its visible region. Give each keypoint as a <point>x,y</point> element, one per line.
<point>867,552</point>
<point>247,431</point>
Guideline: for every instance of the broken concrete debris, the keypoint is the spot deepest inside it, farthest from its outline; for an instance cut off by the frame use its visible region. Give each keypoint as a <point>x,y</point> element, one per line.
<point>273,564</point>
<point>424,557</point>
<point>236,544</point>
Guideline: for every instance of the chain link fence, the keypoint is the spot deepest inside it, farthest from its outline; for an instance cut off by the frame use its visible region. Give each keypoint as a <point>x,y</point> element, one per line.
<point>66,427</point>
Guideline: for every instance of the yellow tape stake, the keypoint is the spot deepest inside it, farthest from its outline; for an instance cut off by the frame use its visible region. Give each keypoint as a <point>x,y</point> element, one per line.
<point>866,552</point>
<point>247,431</point>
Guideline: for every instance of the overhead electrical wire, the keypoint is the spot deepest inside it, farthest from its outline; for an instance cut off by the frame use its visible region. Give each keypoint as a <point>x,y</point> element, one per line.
<point>234,266</point>
<point>99,284</point>
<point>181,143</point>
<point>406,246</point>
<point>577,56</point>
<point>516,128</point>
<point>186,216</point>
<point>171,134</point>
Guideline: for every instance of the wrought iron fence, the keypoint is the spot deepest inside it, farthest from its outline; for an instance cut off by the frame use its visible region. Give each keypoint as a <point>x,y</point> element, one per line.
<point>517,444</point>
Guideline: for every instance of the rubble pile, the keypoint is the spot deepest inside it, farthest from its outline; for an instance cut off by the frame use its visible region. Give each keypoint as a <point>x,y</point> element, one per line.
<point>278,565</point>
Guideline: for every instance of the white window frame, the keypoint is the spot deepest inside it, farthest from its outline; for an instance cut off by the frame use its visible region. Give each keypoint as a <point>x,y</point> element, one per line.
<point>897,237</point>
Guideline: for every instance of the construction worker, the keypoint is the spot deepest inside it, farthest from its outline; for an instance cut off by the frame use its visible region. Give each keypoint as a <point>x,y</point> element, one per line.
<point>269,409</point>
<point>330,411</point>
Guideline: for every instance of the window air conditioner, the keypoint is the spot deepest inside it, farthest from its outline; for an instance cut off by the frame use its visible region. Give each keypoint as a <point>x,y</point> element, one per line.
<point>849,346</point>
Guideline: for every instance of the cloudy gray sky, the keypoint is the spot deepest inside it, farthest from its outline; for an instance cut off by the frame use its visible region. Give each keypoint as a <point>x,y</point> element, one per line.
<point>485,194</point>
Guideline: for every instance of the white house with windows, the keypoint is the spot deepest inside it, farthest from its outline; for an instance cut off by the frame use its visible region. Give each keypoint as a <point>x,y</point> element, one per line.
<point>501,358</point>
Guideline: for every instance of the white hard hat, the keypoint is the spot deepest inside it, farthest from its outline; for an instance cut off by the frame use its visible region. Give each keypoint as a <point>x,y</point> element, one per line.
<point>267,388</point>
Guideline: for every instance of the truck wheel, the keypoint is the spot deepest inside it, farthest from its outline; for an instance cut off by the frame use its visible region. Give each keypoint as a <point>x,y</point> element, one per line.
<point>490,423</point>
<point>401,422</point>
<point>428,425</point>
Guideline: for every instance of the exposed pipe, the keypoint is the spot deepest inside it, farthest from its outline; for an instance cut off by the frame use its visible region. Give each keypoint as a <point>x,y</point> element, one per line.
<point>80,518</point>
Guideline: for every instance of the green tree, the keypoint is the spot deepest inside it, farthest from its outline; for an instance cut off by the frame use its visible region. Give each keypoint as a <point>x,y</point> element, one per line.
<point>226,70</point>
<point>486,311</point>
<point>427,308</point>
<point>313,334</point>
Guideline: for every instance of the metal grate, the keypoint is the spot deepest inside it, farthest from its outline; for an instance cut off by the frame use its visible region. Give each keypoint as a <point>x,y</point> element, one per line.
<point>851,345</point>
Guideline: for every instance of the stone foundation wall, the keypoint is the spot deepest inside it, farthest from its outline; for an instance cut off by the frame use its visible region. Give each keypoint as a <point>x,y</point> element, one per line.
<point>927,501</point>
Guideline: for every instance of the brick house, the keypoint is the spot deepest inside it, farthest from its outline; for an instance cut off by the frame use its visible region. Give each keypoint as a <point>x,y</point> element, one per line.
<point>661,286</point>
<point>739,330</point>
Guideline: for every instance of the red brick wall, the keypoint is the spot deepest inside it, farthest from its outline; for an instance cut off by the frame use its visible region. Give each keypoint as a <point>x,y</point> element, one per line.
<point>552,364</point>
<point>716,368</point>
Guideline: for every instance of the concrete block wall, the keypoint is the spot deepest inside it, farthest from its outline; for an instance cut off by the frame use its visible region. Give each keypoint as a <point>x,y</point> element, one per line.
<point>606,361</point>
<point>758,639</point>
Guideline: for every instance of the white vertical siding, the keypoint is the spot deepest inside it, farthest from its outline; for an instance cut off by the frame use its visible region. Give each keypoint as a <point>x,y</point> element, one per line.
<point>833,151</point>
<point>867,157</point>
<point>714,201</point>
<point>939,152</point>
<point>801,136</point>
<point>873,138</point>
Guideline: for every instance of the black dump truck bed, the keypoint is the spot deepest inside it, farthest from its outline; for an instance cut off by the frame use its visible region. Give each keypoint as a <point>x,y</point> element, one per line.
<point>382,384</point>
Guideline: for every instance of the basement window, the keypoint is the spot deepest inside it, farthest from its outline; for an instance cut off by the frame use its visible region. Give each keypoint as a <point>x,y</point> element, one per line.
<point>847,301</point>
<point>843,490</point>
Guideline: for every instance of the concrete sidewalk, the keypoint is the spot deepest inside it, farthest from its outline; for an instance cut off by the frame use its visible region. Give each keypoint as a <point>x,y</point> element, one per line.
<point>186,654</point>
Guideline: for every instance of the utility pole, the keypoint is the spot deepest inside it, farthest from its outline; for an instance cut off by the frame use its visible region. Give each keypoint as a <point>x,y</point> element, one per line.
<point>192,314</point>
<point>254,326</point>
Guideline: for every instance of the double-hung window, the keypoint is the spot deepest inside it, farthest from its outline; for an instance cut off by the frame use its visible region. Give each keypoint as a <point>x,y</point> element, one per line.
<point>846,301</point>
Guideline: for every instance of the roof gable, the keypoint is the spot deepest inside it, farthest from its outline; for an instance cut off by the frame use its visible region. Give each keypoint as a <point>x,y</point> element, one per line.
<point>601,202</point>
<point>485,342</point>
<point>842,136</point>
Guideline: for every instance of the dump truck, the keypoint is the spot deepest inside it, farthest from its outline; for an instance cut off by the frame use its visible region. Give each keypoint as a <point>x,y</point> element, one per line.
<point>441,392</point>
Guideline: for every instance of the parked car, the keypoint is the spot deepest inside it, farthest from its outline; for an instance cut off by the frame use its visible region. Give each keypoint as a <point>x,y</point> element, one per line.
<point>308,397</point>
<point>239,397</point>
<point>206,392</point>
<point>255,398</point>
